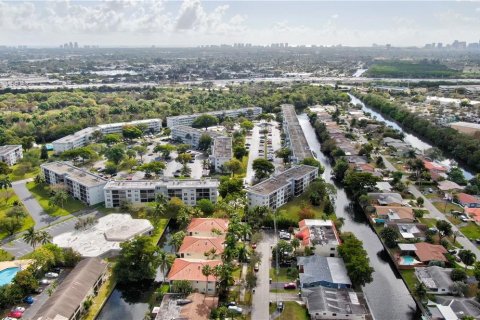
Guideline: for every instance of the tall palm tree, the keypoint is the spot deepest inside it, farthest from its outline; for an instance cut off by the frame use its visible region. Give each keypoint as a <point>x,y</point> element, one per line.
<point>165,260</point>
<point>62,197</point>
<point>30,237</point>
<point>207,271</point>
<point>43,237</point>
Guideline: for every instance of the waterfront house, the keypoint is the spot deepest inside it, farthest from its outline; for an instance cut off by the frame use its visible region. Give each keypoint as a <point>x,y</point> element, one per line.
<point>191,271</point>
<point>201,247</point>
<point>321,235</point>
<point>385,199</point>
<point>468,201</point>
<point>436,279</point>
<point>409,231</point>
<point>207,227</point>
<point>421,253</point>
<point>394,214</point>
<point>322,271</point>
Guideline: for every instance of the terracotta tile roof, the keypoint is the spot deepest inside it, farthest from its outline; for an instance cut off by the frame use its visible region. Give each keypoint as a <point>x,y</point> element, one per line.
<point>402,212</point>
<point>434,166</point>
<point>430,252</point>
<point>474,213</point>
<point>467,198</point>
<point>191,270</point>
<point>202,244</point>
<point>207,224</point>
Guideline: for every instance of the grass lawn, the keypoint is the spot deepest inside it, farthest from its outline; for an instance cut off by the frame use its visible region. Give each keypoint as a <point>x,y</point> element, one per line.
<point>282,275</point>
<point>18,175</point>
<point>450,207</point>
<point>5,256</point>
<point>160,227</point>
<point>454,220</point>
<point>291,209</point>
<point>294,311</point>
<point>471,231</point>
<point>237,272</point>
<point>41,193</point>
<point>4,207</point>
<point>410,278</point>
<point>428,221</point>
<point>102,296</point>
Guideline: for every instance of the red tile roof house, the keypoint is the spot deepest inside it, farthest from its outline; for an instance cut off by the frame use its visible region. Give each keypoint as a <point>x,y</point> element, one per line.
<point>437,171</point>
<point>427,252</point>
<point>468,201</point>
<point>201,247</point>
<point>474,213</point>
<point>207,227</point>
<point>395,214</point>
<point>191,270</point>
<point>419,254</point>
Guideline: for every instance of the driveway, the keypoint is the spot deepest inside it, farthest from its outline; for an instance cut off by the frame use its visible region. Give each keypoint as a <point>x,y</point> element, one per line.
<point>41,218</point>
<point>261,296</point>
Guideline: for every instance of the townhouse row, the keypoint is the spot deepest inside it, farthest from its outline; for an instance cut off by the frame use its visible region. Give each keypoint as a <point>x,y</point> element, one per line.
<point>188,119</point>
<point>93,189</point>
<point>84,136</point>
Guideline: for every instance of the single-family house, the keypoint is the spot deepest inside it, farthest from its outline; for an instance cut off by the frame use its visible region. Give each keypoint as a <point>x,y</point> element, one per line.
<point>468,201</point>
<point>191,270</point>
<point>385,199</point>
<point>207,227</point>
<point>395,213</point>
<point>423,251</point>
<point>436,279</point>
<point>201,247</point>
<point>322,271</point>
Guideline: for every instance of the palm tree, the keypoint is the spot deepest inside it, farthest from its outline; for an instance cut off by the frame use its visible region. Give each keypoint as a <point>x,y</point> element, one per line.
<point>43,237</point>
<point>30,237</point>
<point>455,235</point>
<point>211,254</point>
<point>62,197</point>
<point>207,271</point>
<point>165,260</point>
<point>242,253</point>
<point>295,244</point>
<point>177,239</point>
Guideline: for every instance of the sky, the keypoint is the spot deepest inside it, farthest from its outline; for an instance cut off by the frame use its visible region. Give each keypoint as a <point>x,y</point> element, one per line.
<point>194,22</point>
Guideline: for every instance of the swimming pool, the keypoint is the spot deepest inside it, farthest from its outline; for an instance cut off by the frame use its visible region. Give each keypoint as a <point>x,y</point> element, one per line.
<point>7,275</point>
<point>408,260</point>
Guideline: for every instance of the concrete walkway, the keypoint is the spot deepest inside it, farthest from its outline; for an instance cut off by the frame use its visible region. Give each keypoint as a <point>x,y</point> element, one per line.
<point>41,218</point>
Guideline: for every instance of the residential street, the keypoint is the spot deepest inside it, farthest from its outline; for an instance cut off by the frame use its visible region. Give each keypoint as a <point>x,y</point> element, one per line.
<point>435,213</point>
<point>260,299</point>
<point>41,218</point>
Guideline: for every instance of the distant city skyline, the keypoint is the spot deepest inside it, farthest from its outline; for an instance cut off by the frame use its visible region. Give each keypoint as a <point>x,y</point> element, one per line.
<point>191,23</point>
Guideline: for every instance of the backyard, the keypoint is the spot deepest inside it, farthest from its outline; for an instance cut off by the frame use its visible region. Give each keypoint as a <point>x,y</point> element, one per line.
<point>283,275</point>
<point>42,194</point>
<point>293,311</point>
<point>292,209</point>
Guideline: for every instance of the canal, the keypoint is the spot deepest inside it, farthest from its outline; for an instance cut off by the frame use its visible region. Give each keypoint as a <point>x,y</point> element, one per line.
<point>411,139</point>
<point>388,297</point>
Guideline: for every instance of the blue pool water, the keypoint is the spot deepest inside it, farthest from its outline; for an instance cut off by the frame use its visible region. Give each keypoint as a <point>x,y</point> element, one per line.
<point>408,260</point>
<point>7,275</point>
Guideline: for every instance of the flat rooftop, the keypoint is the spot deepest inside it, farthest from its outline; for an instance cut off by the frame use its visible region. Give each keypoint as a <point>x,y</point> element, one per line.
<point>320,232</point>
<point>81,176</point>
<point>8,148</point>
<point>222,147</point>
<point>121,124</point>
<point>344,301</point>
<point>191,130</point>
<point>298,142</point>
<point>77,135</point>
<point>274,183</point>
<point>152,184</point>
<point>219,112</point>
<point>105,236</point>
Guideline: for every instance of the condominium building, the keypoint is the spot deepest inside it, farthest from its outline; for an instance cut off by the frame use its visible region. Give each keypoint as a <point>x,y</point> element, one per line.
<point>191,136</point>
<point>188,190</point>
<point>188,119</point>
<point>11,154</point>
<point>221,152</point>
<point>81,184</point>
<point>83,137</point>
<point>278,190</point>
<point>294,136</point>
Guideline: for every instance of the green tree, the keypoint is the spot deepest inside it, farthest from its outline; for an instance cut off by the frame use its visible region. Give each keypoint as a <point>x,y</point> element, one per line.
<point>458,275</point>
<point>26,281</point>
<point>204,142</point>
<point>420,291</point>
<point>456,175</point>
<point>246,125</point>
<point>263,168</point>
<point>115,153</point>
<point>444,228</point>
<point>207,271</point>
<point>177,239</point>
<point>420,201</point>
<point>131,132</point>
<point>30,237</point>
<point>17,212</point>
<point>239,152</point>
<point>43,237</point>
<point>44,152</point>
<point>10,225</point>
<point>164,149</point>
<point>165,261</point>
<point>182,286</point>
<point>112,138</point>
<point>359,182</point>
<point>206,206</point>
<point>205,121</point>
<point>184,159</point>
<point>230,186</point>
<point>156,167</point>
<point>340,169</point>
<point>390,236</point>
<point>314,163</point>
<point>284,154</point>
<point>58,199</point>
<point>234,166</point>
<point>141,151</point>
<point>356,259</point>
<point>5,182</point>
<point>295,244</point>
<point>467,257</point>
<point>138,260</point>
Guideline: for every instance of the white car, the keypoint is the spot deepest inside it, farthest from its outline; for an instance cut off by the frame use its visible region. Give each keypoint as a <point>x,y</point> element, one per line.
<point>45,281</point>
<point>235,308</point>
<point>51,275</point>
<point>21,309</point>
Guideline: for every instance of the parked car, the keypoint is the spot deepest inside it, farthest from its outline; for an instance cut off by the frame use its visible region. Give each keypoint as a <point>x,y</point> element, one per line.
<point>284,235</point>
<point>290,285</point>
<point>8,318</point>
<point>231,303</point>
<point>18,308</point>
<point>38,290</point>
<point>28,300</point>
<point>235,308</point>
<point>256,267</point>
<point>51,275</point>
<point>15,314</point>
<point>45,281</point>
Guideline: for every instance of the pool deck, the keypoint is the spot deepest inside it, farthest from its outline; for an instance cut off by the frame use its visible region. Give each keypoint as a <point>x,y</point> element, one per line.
<point>22,264</point>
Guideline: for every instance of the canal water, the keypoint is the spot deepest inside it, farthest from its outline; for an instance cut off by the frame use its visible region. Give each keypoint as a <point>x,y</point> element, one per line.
<point>388,297</point>
<point>411,139</point>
